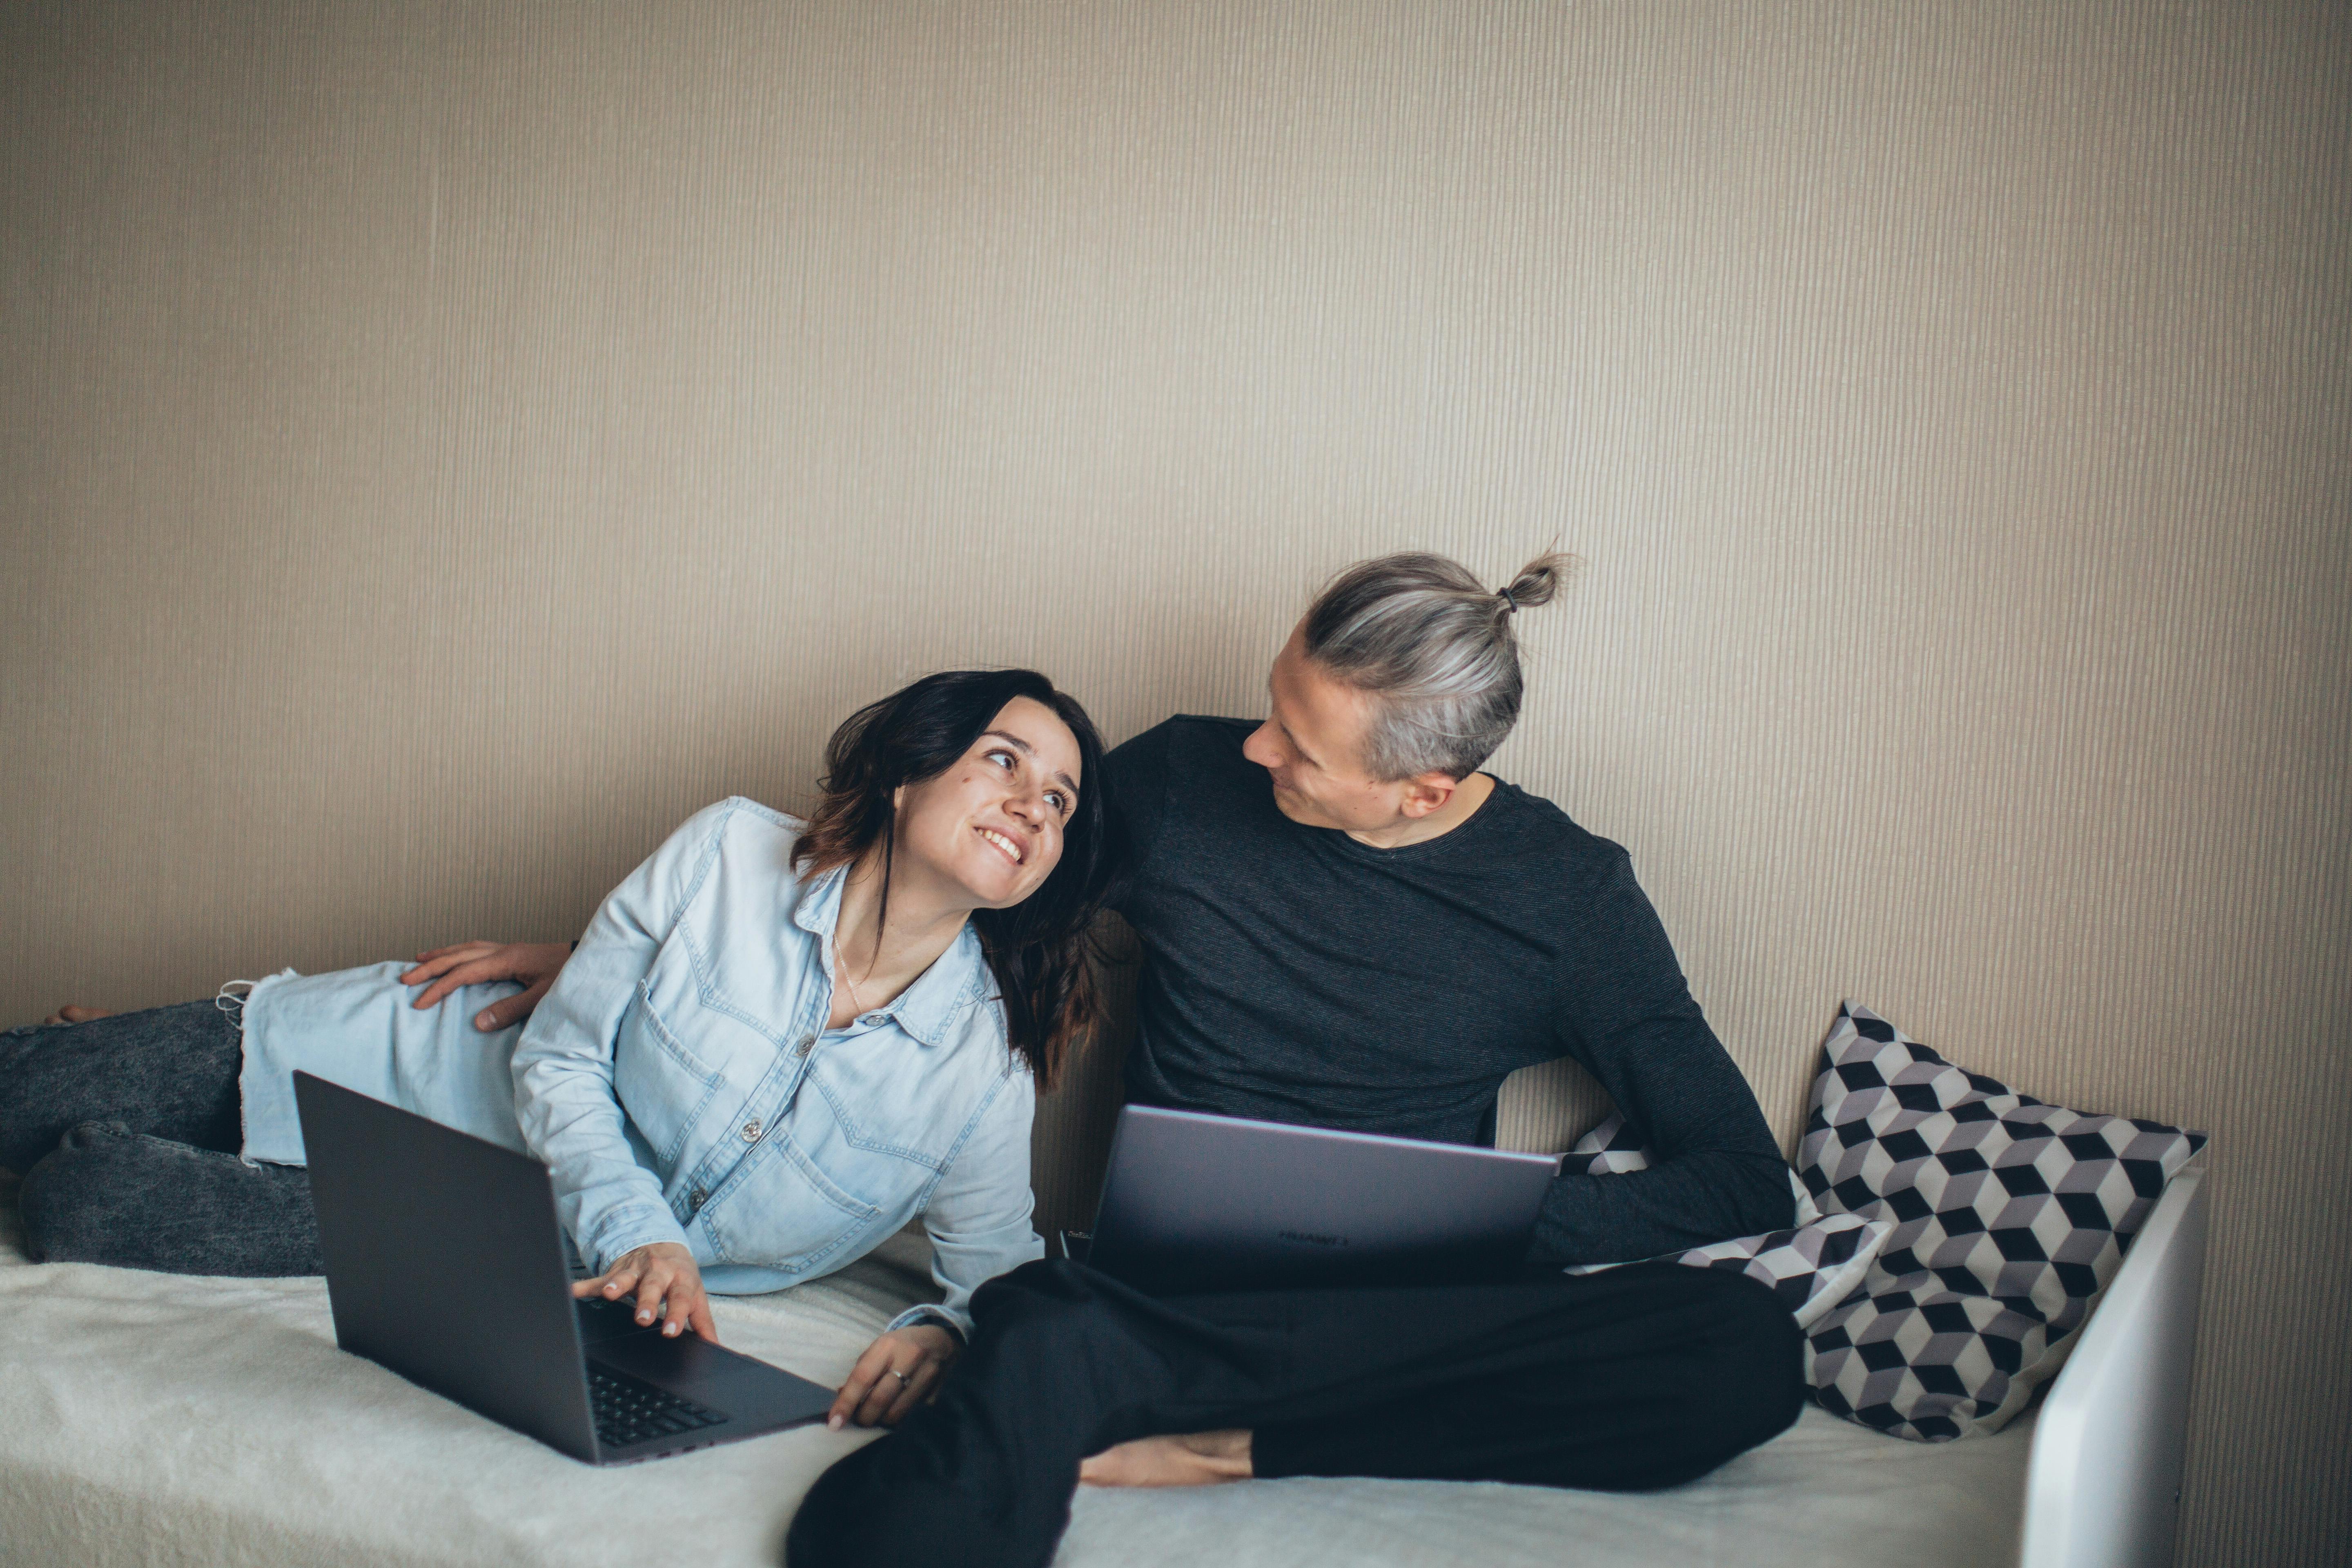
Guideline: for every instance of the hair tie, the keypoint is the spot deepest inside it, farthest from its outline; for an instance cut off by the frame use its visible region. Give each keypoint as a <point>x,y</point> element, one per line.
<point>1505,594</point>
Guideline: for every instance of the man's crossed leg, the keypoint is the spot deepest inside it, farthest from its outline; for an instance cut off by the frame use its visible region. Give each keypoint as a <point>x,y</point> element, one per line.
<point>1633,1378</point>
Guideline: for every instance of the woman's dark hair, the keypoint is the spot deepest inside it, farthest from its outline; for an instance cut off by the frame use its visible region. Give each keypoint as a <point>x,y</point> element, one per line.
<point>1039,950</point>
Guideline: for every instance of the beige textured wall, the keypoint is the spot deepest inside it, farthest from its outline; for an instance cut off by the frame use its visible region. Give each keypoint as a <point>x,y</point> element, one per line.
<point>441,445</point>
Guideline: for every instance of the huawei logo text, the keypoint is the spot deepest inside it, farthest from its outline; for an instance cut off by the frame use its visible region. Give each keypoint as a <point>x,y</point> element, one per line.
<point>1313,1238</point>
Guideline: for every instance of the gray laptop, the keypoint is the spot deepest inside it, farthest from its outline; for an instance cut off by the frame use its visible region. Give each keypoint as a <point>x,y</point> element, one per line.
<point>1197,1203</point>
<point>408,1207</point>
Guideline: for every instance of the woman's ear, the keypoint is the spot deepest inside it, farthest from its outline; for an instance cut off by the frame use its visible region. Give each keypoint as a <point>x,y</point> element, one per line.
<point>898,800</point>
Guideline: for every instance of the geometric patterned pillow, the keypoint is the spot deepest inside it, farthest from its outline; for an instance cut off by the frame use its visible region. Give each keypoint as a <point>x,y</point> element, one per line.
<point>2009,1217</point>
<point>1616,1146</point>
<point>1610,1149</point>
<point>1812,1267</point>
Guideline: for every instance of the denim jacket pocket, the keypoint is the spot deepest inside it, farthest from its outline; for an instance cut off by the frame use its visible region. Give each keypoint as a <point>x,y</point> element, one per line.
<point>780,1210</point>
<point>662,1085</point>
<point>876,1123</point>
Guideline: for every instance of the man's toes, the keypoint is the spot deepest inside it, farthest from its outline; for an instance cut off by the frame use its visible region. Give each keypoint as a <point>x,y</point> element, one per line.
<point>70,1014</point>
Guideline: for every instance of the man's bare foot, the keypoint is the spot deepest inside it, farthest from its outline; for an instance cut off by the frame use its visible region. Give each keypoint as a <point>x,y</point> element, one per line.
<point>70,1015</point>
<point>1192,1459</point>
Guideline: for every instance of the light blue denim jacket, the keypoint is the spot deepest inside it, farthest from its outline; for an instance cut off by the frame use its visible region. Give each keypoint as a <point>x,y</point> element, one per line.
<point>775,1149</point>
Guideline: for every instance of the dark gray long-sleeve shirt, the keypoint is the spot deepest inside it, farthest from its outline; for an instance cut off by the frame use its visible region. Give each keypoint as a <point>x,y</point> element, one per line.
<point>1291,974</point>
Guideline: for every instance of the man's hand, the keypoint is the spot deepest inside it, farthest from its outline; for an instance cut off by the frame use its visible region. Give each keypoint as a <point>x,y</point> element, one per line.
<point>897,1372</point>
<point>667,1286</point>
<point>479,964</point>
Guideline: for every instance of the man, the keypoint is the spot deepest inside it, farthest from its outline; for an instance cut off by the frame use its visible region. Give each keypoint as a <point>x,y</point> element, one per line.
<point>1346,923</point>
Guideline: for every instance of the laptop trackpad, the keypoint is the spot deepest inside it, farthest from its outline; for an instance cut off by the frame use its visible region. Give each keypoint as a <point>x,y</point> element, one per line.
<point>601,1320</point>
<point>725,1379</point>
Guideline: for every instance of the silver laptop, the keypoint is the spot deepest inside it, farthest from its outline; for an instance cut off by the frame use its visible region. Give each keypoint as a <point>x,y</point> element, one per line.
<point>1197,1203</point>
<point>406,1207</point>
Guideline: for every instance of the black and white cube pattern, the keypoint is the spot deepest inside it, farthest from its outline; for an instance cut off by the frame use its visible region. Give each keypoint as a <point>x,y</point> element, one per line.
<point>1610,1149</point>
<point>2009,1217</point>
<point>1810,1267</point>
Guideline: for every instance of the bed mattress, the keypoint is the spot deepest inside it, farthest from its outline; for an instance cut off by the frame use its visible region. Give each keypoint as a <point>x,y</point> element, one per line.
<point>154,1419</point>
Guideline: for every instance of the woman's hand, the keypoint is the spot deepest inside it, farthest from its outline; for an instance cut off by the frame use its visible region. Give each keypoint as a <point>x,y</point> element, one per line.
<point>897,1372</point>
<point>534,963</point>
<point>667,1286</point>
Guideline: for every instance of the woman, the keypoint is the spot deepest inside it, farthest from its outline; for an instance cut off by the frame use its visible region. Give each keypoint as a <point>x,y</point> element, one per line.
<point>776,1044</point>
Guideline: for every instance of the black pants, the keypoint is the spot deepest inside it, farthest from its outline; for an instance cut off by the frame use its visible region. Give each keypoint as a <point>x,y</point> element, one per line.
<point>126,1131</point>
<point>1630,1379</point>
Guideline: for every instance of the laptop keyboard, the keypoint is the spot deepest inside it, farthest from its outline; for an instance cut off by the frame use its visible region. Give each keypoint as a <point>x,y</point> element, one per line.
<point>629,1412</point>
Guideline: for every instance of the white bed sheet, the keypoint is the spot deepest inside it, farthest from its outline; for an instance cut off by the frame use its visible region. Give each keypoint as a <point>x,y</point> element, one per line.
<point>160,1420</point>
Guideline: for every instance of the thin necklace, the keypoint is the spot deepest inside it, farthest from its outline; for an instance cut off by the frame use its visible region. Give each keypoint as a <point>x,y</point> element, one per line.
<point>841,967</point>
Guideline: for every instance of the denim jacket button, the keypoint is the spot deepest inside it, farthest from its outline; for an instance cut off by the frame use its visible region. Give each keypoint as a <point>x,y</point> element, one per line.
<point>695,1200</point>
<point>808,1043</point>
<point>752,1130</point>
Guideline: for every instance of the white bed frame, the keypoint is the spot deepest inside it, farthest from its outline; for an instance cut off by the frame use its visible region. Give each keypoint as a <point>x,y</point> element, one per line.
<point>2103,1484</point>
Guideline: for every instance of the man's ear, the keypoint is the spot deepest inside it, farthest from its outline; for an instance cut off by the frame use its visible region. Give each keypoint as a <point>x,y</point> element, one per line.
<point>1425,792</point>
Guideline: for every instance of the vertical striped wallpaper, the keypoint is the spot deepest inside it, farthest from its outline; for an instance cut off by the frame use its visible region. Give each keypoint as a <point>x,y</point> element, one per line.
<point>443,445</point>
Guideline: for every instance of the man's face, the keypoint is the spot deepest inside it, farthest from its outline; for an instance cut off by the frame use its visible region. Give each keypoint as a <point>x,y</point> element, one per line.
<point>1311,742</point>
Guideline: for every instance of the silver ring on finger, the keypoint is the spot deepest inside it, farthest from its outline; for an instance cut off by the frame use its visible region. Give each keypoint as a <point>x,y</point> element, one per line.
<point>904,1378</point>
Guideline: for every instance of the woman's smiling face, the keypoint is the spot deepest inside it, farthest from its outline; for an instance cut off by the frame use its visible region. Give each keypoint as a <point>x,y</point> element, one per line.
<point>992,824</point>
